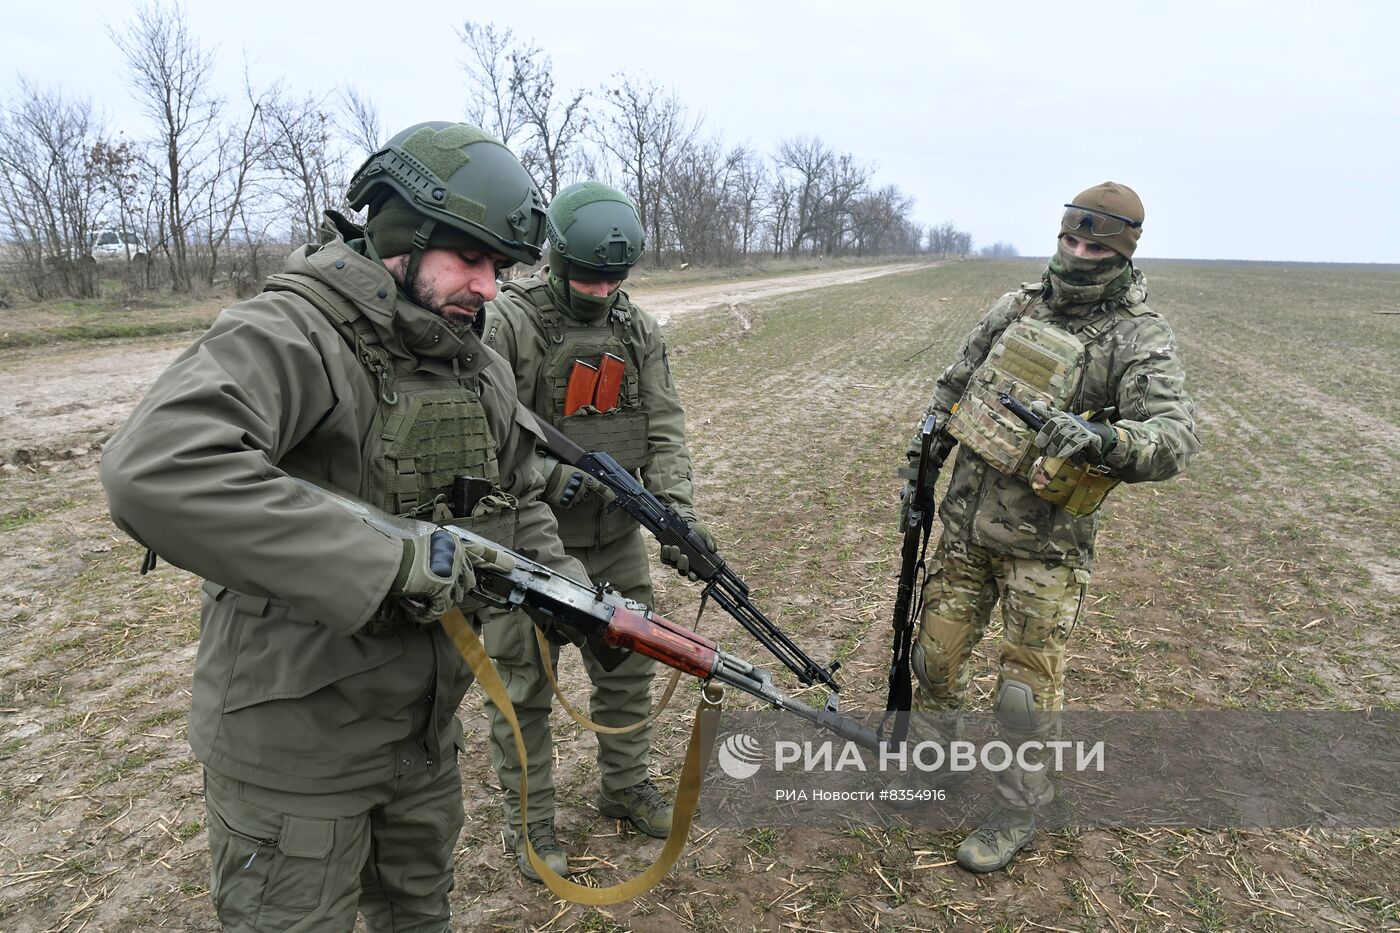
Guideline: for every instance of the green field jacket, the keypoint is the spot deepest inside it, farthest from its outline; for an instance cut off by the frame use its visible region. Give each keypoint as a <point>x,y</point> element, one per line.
<point>290,691</point>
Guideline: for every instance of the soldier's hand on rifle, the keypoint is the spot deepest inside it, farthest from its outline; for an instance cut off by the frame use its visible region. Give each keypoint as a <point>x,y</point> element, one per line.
<point>1068,436</point>
<point>564,486</point>
<point>672,557</point>
<point>434,575</point>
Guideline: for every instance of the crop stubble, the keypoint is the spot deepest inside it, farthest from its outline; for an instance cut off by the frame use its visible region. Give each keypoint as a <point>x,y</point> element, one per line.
<point>1267,576</point>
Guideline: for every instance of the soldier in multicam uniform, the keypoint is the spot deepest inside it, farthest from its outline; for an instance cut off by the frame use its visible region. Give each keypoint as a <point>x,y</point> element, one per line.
<point>325,694</point>
<point>575,309</point>
<point>1020,514</point>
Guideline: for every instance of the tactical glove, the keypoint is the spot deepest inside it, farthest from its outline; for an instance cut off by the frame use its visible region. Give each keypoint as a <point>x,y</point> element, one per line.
<point>565,486</point>
<point>942,446</point>
<point>435,574</point>
<point>1069,437</point>
<point>671,556</point>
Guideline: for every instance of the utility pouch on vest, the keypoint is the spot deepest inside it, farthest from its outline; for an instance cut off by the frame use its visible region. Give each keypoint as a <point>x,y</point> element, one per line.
<point>620,432</point>
<point>1032,361</point>
<point>1079,490</point>
<point>495,517</point>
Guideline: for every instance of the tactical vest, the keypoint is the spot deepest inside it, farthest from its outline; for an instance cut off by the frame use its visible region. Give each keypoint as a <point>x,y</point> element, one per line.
<point>1032,361</point>
<point>425,431</point>
<point>622,431</point>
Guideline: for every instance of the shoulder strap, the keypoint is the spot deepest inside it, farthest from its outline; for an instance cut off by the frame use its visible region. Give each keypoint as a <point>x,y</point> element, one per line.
<point>354,328</point>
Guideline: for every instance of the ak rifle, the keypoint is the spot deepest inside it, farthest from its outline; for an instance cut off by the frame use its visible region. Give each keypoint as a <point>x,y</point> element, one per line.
<point>722,584</point>
<point>908,598</point>
<point>602,615</point>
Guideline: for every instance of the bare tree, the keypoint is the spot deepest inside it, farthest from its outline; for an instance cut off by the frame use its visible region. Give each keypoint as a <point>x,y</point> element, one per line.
<point>358,121</point>
<point>645,128</point>
<point>493,93</point>
<point>999,250</point>
<point>703,203</point>
<point>553,125</point>
<point>750,191</point>
<point>301,151</point>
<point>878,219</point>
<point>947,240</point>
<point>50,193</point>
<point>170,74</point>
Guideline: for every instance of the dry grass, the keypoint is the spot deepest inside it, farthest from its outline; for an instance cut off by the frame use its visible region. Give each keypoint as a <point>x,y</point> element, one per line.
<point>1268,576</point>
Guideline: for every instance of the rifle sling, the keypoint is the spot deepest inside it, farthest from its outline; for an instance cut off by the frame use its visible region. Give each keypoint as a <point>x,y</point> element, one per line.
<point>583,720</point>
<point>697,755</point>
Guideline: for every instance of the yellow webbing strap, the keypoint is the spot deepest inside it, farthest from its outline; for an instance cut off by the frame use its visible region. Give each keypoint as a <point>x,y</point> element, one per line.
<point>583,720</point>
<point>702,742</point>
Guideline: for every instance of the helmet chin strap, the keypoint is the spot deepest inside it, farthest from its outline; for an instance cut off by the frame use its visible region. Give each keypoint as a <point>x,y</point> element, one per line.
<point>420,243</point>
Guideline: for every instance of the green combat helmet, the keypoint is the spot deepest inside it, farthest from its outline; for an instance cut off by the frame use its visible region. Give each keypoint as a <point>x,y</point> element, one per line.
<point>457,175</point>
<point>594,233</point>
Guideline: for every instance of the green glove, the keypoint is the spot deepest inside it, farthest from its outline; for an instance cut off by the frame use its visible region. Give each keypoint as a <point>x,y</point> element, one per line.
<point>1068,436</point>
<point>563,485</point>
<point>434,575</point>
<point>671,555</point>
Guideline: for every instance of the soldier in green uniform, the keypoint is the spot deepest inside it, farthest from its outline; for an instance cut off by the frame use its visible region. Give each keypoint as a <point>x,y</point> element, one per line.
<point>1081,349</point>
<point>575,309</point>
<point>324,696</point>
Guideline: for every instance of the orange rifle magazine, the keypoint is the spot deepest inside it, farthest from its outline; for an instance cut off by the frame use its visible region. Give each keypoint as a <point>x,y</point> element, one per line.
<point>611,369</point>
<point>583,382</point>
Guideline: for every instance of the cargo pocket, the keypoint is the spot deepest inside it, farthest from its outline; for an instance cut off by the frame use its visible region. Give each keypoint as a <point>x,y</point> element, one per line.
<point>508,635</point>
<point>240,864</point>
<point>1080,586</point>
<point>297,879</point>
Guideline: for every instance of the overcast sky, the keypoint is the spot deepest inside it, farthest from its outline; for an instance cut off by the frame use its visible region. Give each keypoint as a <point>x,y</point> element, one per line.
<point>1252,130</point>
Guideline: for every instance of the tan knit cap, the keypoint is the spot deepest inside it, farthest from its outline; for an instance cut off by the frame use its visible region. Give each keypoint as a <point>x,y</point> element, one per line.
<point>1109,214</point>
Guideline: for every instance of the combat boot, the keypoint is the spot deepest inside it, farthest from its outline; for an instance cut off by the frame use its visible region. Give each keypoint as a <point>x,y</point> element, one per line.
<point>644,805</point>
<point>993,844</point>
<point>546,846</point>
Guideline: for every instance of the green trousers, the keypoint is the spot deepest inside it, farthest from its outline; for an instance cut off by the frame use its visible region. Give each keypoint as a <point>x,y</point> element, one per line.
<point>287,863</point>
<point>619,697</point>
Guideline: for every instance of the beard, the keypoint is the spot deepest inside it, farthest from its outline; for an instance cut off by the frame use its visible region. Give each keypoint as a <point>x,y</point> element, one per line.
<point>459,310</point>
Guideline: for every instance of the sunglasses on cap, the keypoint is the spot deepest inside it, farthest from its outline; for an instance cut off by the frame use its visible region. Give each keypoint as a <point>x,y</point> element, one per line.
<point>1098,223</point>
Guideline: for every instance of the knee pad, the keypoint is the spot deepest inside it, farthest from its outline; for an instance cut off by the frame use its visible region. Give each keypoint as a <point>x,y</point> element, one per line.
<point>1015,707</point>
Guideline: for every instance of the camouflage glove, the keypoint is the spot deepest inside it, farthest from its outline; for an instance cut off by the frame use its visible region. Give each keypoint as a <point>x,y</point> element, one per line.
<point>482,556</point>
<point>672,557</point>
<point>1069,437</point>
<point>434,575</point>
<point>938,453</point>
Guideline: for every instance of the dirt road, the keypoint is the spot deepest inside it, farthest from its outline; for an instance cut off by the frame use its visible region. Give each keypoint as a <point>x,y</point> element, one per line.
<point>57,404</point>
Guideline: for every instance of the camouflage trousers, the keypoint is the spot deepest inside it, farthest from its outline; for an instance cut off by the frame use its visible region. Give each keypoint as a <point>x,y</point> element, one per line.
<point>619,697</point>
<point>305,863</point>
<point>1040,605</point>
